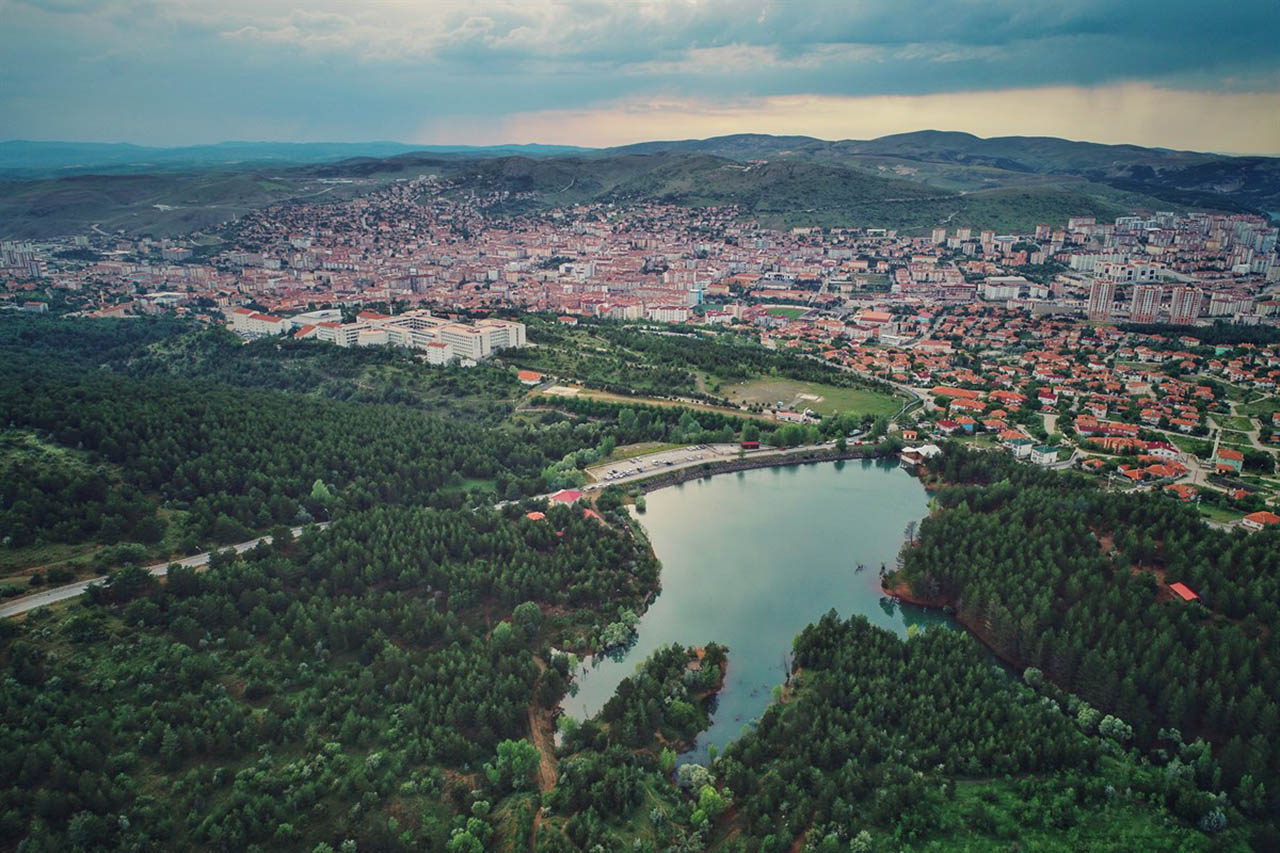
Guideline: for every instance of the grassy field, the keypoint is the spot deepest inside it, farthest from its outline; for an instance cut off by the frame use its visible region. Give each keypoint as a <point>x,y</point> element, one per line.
<point>875,281</point>
<point>982,439</point>
<point>788,312</point>
<point>823,399</point>
<point>1260,408</point>
<point>1195,446</point>
<point>1220,515</point>
<point>631,451</point>
<point>1233,422</point>
<point>594,394</point>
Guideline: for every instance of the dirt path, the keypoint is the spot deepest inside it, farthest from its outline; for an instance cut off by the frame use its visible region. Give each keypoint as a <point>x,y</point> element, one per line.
<point>540,732</point>
<point>533,831</point>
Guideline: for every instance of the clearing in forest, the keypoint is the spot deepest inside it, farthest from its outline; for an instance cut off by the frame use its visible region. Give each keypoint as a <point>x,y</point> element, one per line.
<point>823,399</point>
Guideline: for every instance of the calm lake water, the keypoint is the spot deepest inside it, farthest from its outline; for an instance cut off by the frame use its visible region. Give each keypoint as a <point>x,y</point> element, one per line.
<point>749,559</point>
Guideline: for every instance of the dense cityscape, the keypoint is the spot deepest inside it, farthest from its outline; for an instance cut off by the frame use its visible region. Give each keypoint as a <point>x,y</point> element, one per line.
<point>1011,339</point>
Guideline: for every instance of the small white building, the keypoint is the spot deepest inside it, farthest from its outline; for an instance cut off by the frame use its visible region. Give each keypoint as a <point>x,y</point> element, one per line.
<point>1020,447</point>
<point>1044,454</point>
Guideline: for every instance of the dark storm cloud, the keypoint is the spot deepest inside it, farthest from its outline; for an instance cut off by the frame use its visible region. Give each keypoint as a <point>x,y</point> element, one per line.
<point>167,70</point>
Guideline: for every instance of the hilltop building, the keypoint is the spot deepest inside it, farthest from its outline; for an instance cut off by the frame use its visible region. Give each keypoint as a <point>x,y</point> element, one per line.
<point>441,339</point>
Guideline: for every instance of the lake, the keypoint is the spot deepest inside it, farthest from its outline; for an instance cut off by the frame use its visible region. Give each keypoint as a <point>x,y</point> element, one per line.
<point>749,559</point>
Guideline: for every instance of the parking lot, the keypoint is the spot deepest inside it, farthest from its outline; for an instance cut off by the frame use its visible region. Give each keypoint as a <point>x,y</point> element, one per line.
<point>644,466</point>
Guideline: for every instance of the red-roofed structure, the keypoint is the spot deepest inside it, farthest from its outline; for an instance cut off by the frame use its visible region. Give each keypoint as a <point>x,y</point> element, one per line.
<point>566,496</point>
<point>1183,591</point>
<point>960,393</point>
<point>1259,520</point>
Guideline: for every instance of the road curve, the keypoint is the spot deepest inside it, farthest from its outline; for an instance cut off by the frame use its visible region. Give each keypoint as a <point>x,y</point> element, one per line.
<point>71,590</point>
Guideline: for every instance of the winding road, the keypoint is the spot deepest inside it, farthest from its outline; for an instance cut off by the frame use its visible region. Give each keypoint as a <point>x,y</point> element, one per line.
<point>71,590</point>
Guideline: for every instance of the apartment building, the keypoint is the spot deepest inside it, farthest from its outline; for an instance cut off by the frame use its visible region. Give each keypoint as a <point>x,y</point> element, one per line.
<point>1184,305</point>
<point>1102,296</point>
<point>1145,305</point>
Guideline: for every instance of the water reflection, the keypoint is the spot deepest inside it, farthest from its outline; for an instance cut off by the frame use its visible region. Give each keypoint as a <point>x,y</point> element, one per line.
<point>749,560</point>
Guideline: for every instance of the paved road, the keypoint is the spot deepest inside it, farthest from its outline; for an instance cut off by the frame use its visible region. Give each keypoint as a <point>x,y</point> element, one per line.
<point>640,467</point>
<point>71,590</point>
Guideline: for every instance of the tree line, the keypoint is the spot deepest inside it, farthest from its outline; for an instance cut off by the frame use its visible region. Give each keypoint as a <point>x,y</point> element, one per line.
<point>1073,581</point>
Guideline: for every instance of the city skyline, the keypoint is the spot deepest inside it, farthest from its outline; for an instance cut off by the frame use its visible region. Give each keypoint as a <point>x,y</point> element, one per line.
<point>166,72</point>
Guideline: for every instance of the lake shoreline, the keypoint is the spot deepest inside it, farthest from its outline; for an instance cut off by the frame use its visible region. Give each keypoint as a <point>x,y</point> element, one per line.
<point>730,577</point>
<point>902,593</point>
<point>677,476</point>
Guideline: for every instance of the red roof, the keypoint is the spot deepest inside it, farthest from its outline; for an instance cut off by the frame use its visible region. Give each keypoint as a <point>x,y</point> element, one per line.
<point>1263,517</point>
<point>566,496</point>
<point>535,516</point>
<point>946,391</point>
<point>1184,592</point>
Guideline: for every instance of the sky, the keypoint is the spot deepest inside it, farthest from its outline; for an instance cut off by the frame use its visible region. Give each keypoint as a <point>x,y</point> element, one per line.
<point>1173,73</point>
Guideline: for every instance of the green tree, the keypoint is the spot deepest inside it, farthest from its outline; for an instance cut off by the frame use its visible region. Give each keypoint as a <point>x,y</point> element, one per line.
<point>528,616</point>
<point>514,766</point>
<point>712,801</point>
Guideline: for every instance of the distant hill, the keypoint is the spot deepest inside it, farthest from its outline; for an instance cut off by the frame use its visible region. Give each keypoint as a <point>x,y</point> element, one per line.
<point>781,190</point>
<point>26,159</point>
<point>911,181</point>
<point>963,161</point>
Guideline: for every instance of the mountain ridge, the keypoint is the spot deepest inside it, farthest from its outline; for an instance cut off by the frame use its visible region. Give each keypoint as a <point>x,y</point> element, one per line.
<point>22,158</point>
<point>907,181</point>
<point>961,161</point>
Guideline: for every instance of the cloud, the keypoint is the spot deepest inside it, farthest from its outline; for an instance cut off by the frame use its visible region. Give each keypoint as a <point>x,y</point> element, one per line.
<point>340,69</point>
<point>592,33</point>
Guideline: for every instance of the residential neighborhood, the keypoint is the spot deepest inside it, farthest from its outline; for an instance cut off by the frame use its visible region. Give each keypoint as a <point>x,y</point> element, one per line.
<point>1087,344</point>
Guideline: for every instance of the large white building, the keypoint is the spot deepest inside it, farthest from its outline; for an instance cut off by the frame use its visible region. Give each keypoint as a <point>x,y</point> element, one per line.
<point>1003,287</point>
<point>1225,304</point>
<point>440,339</point>
<point>669,313</point>
<point>250,324</point>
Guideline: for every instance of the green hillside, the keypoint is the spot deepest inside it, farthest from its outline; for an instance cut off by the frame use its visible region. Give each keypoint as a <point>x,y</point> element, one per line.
<point>952,160</point>
<point>159,204</point>
<point>790,192</point>
<point>911,182</point>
